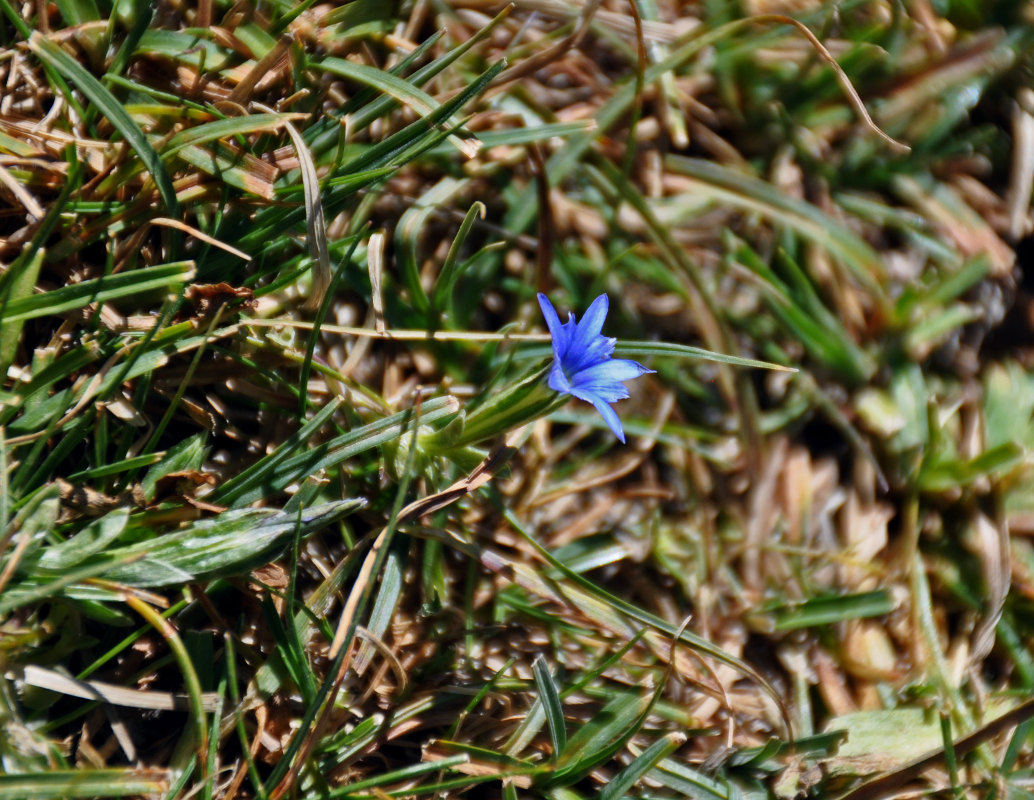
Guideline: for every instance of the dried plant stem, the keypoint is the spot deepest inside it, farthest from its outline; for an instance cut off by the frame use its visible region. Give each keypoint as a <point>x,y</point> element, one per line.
<point>842,79</point>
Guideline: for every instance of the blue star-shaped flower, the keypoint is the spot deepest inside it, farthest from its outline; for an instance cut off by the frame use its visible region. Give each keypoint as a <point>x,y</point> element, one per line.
<point>582,363</point>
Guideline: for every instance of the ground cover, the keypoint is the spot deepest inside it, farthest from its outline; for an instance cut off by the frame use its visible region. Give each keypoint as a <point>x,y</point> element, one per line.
<point>290,507</point>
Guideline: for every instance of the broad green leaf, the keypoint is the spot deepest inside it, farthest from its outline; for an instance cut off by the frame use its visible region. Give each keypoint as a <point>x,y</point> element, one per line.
<point>92,539</point>
<point>187,47</point>
<point>883,740</point>
<point>31,524</point>
<point>230,544</point>
<point>64,582</point>
<point>940,474</point>
<point>188,454</point>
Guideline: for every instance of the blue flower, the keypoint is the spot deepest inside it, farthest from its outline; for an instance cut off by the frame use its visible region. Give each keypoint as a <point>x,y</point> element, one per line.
<point>582,363</point>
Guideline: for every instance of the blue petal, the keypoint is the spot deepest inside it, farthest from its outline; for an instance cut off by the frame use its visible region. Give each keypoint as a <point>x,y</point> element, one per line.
<point>579,358</point>
<point>558,379</point>
<point>611,418</point>
<point>582,364</point>
<point>592,323</point>
<point>557,331</point>
<point>613,370</point>
<point>608,392</point>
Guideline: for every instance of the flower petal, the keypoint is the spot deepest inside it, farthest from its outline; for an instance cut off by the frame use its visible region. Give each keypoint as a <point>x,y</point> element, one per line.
<point>607,392</point>
<point>611,418</point>
<point>605,380</point>
<point>613,370</point>
<point>582,365</point>
<point>591,326</point>
<point>558,331</point>
<point>558,379</point>
<point>609,414</point>
<point>578,358</point>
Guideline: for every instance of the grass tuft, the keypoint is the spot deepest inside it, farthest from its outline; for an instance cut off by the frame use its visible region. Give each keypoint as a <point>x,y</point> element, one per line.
<point>287,508</point>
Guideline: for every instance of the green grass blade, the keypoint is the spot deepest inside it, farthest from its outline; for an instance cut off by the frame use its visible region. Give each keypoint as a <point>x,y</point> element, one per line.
<point>230,492</point>
<point>389,85</point>
<point>827,610</point>
<point>647,349</point>
<point>598,740</point>
<point>231,543</point>
<point>334,452</point>
<point>99,290</point>
<point>551,703</point>
<point>735,188</point>
<point>611,609</point>
<point>18,286</point>
<point>644,762</point>
<point>112,110</point>
<point>86,783</point>
<point>389,591</point>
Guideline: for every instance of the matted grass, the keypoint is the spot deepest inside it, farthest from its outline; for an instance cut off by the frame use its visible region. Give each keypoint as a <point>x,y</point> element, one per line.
<point>287,510</point>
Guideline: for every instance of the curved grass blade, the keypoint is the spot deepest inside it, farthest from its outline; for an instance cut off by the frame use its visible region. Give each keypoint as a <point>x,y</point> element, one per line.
<point>110,107</point>
<point>319,249</point>
<point>604,735</point>
<point>190,677</point>
<point>536,716</point>
<point>643,763</point>
<point>690,782</point>
<point>286,771</point>
<point>735,188</point>
<point>224,128</point>
<point>551,703</point>
<point>442,292</point>
<point>395,87</point>
<point>688,351</point>
<point>364,116</point>
<point>391,85</point>
<point>409,229</point>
